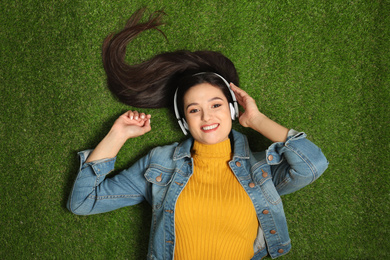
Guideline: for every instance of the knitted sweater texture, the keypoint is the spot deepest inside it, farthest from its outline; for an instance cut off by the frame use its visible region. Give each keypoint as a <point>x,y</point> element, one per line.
<point>214,217</point>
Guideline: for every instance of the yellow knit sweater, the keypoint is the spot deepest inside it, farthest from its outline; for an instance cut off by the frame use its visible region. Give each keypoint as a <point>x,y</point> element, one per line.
<point>214,217</point>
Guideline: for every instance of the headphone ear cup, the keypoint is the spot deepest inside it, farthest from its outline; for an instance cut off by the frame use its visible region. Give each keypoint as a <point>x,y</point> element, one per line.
<point>232,111</point>
<point>185,124</point>
<point>183,127</point>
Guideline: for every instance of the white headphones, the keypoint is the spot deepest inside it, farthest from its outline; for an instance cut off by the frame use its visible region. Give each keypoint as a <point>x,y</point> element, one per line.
<point>234,112</point>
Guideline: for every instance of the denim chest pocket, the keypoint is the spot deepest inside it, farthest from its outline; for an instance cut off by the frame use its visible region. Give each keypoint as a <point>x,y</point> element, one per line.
<point>262,176</point>
<point>159,175</point>
<point>160,178</point>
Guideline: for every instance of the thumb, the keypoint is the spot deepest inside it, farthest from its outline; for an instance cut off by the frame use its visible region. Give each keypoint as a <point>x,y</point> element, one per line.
<point>147,125</point>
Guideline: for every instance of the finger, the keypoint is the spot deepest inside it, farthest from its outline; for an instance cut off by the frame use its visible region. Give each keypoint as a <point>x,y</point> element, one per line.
<point>147,121</point>
<point>147,126</point>
<point>136,115</point>
<point>239,98</point>
<point>238,91</point>
<point>142,115</point>
<point>235,88</point>
<point>147,118</point>
<point>129,114</point>
<point>132,115</point>
<point>243,98</point>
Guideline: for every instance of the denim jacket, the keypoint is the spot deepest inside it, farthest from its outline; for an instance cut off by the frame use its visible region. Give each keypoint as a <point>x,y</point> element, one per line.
<point>162,174</point>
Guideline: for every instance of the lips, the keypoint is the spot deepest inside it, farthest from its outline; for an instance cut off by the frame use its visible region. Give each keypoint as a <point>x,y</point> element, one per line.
<point>210,127</point>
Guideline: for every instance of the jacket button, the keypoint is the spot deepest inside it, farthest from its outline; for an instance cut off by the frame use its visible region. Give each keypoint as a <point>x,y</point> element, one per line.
<point>280,251</point>
<point>273,231</point>
<point>158,179</point>
<point>265,174</point>
<point>238,164</point>
<point>265,212</point>
<point>252,185</point>
<point>270,157</point>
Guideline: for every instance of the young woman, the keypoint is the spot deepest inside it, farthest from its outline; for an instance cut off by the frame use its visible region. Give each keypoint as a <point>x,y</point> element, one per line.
<point>211,196</point>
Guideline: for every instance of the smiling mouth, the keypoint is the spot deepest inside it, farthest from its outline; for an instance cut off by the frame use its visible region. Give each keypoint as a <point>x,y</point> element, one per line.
<point>210,127</point>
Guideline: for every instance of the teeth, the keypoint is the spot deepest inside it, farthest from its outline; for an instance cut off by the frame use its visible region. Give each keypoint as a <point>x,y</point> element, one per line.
<point>210,127</point>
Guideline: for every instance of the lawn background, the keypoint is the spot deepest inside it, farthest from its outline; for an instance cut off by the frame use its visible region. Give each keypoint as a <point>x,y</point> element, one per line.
<point>317,66</point>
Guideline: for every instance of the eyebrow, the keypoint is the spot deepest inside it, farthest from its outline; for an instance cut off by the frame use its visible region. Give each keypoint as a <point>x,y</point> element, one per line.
<point>212,99</point>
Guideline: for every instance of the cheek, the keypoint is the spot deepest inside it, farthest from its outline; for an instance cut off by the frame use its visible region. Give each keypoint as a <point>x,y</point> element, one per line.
<point>191,121</point>
<point>227,114</point>
<point>230,124</point>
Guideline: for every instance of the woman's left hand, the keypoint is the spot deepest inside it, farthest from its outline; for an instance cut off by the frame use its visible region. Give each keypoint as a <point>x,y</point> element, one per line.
<point>256,120</point>
<point>248,103</point>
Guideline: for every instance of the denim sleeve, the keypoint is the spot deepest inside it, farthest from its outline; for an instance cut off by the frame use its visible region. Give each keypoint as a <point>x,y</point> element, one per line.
<point>93,193</point>
<point>295,163</point>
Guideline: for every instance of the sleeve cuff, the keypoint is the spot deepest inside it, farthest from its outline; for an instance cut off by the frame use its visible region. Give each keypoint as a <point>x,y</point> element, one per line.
<point>100,167</point>
<point>292,132</point>
<point>274,154</point>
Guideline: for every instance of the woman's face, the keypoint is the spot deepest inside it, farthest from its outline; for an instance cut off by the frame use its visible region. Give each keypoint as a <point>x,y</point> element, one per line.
<point>207,113</point>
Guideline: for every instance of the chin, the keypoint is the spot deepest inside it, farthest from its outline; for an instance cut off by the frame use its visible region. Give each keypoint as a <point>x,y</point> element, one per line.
<point>211,140</point>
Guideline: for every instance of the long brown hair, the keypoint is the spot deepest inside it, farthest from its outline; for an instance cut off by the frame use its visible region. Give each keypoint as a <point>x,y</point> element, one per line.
<point>152,83</point>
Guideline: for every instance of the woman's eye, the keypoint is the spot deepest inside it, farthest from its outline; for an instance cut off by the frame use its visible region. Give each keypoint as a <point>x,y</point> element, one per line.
<point>216,105</point>
<point>194,110</point>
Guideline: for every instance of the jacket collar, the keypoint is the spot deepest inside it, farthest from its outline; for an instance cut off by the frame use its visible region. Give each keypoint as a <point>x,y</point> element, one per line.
<point>240,144</point>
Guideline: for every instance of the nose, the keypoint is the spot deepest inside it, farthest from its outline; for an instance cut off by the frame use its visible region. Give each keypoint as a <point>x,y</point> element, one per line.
<point>206,115</point>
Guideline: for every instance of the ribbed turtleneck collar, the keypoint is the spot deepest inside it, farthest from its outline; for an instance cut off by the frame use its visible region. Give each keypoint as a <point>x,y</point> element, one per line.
<point>219,150</point>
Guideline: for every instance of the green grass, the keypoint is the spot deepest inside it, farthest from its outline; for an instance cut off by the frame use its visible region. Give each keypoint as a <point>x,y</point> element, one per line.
<point>317,66</point>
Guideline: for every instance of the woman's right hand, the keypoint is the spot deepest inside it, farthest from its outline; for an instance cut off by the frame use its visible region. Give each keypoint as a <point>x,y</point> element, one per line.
<point>129,125</point>
<point>132,124</point>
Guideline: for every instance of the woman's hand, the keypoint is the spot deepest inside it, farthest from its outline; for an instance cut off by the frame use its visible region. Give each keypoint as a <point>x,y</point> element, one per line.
<point>132,124</point>
<point>248,103</point>
<point>256,120</point>
<point>129,125</point>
